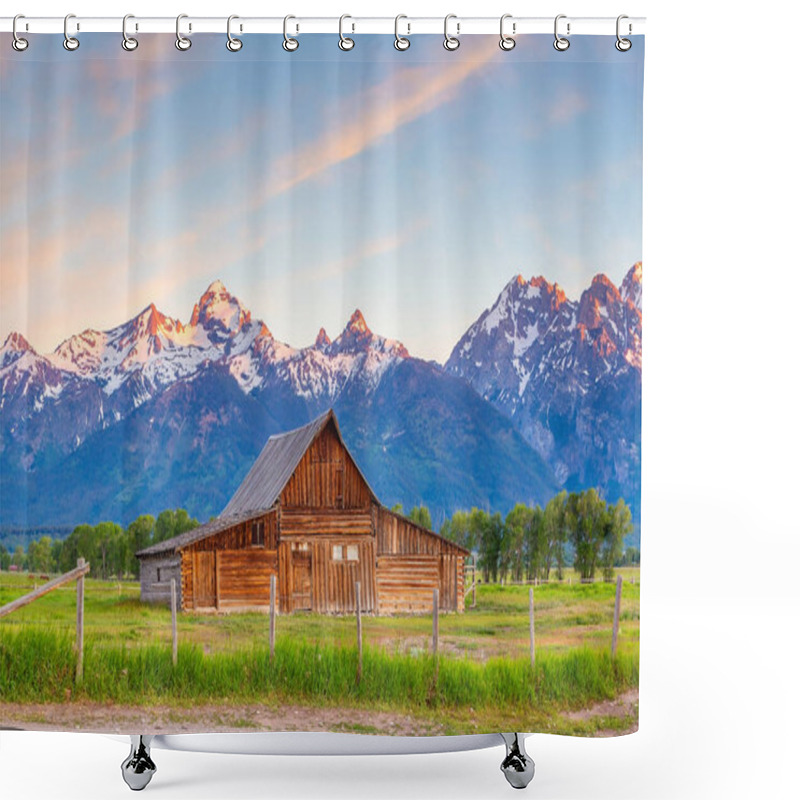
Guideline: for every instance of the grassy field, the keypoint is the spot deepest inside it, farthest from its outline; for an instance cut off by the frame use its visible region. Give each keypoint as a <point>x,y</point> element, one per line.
<point>484,675</point>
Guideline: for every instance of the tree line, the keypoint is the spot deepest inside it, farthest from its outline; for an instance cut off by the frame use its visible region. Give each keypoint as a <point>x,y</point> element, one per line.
<point>109,548</point>
<point>577,528</point>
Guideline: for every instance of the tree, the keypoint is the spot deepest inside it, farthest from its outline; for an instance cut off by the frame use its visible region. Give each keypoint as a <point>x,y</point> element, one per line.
<point>488,532</point>
<point>632,556</point>
<point>5,558</point>
<point>587,522</point>
<point>422,516</point>
<point>140,535</point>
<point>535,545</point>
<point>516,541</point>
<point>173,523</point>
<point>19,559</point>
<point>459,530</point>
<point>40,555</point>
<point>554,535</point>
<point>617,525</point>
<point>109,549</point>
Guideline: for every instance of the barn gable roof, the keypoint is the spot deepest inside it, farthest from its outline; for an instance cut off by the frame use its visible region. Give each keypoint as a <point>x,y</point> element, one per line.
<point>200,532</point>
<point>263,484</point>
<point>276,464</point>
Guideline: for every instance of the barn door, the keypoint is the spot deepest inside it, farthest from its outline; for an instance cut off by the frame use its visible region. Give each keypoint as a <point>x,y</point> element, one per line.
<point>205,580</point>
<point>301,580</point>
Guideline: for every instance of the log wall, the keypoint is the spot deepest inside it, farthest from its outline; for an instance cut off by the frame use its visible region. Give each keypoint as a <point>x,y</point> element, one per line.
<point>226,570</point>
<point>405,584</point>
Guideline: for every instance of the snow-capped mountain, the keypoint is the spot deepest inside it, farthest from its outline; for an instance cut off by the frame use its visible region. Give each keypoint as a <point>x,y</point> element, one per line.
<point>156,413</point>
<point>568,373</point>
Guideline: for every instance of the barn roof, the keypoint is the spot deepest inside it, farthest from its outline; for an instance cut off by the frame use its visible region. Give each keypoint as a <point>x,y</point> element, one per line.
<point>276,464</point>
<point>194,535</point>
<point>263,484</point>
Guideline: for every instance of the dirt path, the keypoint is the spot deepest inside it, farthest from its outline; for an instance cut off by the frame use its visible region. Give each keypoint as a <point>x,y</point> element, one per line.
<point>107,718</point>
<point>99,718</point>
<point>626,705</point>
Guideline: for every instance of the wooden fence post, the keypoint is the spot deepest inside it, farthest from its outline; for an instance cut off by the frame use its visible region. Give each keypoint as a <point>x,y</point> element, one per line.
<point>272,590</point>
<point>79,624</point>
<point>174,607</point>
<point>617,603</point>
<point>358,632</point>
<point>436,635</point>
<point>530,613</point>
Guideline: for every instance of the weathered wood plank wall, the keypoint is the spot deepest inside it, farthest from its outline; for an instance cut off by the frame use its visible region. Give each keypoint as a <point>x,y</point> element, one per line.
<point>326,477</point>
<point>405,583</point>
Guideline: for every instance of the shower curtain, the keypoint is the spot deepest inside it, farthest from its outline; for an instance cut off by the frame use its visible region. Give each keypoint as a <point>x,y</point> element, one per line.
<point>320,384</point>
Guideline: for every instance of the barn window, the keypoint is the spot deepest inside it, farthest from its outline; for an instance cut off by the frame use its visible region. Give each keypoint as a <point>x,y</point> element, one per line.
<point>352,552</point>
<point>159,577</point>
<point>337,552</point>
<point>257,533</point>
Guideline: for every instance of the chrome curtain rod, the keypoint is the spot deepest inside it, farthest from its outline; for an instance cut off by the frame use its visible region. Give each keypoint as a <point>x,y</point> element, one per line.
<point>459,26</point>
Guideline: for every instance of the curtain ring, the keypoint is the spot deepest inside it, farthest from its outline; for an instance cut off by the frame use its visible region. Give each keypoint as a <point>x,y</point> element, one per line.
<point>561,43</point>
<point>400,42</point>
<point>17,42</point>
<point>450,42</point>
<point>233,44</point>
<point>507,42</point>
<point>70,42</point>
<point>345,43</point>
<point>129,43</point>
<point>623,45</point>
<point>181,41</point>
<point>289,44</point>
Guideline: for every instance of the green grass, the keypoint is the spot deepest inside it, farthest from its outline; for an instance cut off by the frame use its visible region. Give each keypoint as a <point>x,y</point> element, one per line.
<point>484,674</point>
<point>37,665</point>
<point>567,616</point>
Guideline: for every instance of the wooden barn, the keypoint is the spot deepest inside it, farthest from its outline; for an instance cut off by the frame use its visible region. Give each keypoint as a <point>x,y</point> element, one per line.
<point>305,514</point>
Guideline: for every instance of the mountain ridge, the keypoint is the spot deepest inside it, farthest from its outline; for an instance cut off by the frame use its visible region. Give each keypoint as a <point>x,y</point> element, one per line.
<point>155,377</point>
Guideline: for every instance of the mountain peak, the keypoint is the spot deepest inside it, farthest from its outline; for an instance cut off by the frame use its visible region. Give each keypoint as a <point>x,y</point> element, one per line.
<point>216,287</point>
<point>631,287</point>
<point>357,323</point>
<point>322,340</point>
<point>602,281</point>
<point>219,312</point>
<point>16,342</point>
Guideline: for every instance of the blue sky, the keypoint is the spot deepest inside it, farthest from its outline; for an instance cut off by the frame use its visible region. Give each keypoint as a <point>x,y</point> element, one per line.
<point>411,185</point>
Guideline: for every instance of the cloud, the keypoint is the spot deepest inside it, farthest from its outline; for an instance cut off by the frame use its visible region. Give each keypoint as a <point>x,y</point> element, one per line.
<point>400,99</point>
<point>370,248</point>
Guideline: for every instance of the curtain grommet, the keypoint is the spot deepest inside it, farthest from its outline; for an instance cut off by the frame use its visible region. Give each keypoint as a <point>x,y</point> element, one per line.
<point>17,42</point>
<point>401,43</point>
<point>451,43</point>
<point>345,42</point>
<point>289,43</point>
<point>70,43</point>
<point>182,42</point>
<point>507,42</point>
<point>233,44</point>
<point>129,43</point>
<point>561,43</point>
<point>622,44</point>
